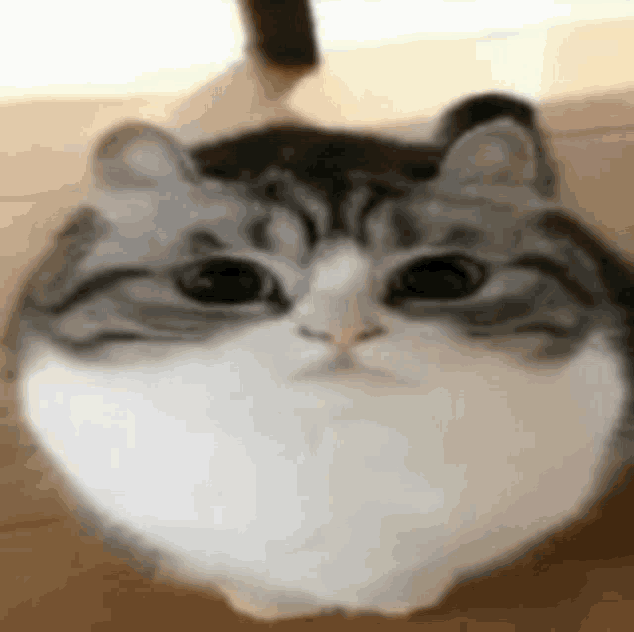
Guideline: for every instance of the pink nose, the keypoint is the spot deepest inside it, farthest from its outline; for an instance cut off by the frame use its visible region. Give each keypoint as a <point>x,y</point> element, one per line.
<point>343,337</point>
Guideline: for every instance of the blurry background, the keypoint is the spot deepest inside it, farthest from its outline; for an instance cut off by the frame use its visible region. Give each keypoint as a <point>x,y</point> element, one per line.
<point>70,48</point>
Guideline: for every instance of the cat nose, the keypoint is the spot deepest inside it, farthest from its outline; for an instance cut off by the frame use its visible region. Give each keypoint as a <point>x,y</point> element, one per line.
<point>341,321</point>
<point>339,308</point>
<point>344,337</point>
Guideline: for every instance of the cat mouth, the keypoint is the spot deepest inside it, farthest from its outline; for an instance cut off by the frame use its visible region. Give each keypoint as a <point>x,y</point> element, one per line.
<point>344,369</point>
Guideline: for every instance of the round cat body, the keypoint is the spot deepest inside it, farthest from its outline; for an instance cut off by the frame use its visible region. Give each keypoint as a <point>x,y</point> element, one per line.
<point>310,391</point>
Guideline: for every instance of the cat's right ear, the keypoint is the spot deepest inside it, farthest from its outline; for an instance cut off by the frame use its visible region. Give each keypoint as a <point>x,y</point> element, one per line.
<point>136,156</point>
<point>498,152</point>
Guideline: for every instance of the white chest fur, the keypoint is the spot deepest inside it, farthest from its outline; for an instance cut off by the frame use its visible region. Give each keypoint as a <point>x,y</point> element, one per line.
<point>366,491</point>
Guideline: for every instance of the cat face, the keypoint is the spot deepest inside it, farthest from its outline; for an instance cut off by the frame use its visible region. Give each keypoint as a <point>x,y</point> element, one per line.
<point>333,384</point>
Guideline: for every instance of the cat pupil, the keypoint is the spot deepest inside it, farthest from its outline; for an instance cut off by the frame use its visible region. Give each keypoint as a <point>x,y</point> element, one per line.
<point>446,278</point>
<point>271,192</point>
<point>222,282</point>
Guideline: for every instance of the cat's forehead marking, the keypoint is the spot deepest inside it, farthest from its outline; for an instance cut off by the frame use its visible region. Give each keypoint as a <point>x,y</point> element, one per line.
<point>331,167</point>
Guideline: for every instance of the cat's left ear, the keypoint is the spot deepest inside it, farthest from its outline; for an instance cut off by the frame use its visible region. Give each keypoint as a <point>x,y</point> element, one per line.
<point>137,155</point>
<point>498,152</point>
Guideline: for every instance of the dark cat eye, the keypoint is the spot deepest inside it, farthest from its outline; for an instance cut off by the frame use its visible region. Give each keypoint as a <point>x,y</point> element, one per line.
<point>272,192</point>
<point>444,278</point>
<point>227,281</point>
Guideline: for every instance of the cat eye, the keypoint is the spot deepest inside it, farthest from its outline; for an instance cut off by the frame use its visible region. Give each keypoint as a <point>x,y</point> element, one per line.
<point>228,282</point>
<point>444,278</point>
<point>272,192</point>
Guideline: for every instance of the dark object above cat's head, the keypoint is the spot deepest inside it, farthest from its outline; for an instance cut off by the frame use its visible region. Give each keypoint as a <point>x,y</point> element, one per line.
<point>281,34</point>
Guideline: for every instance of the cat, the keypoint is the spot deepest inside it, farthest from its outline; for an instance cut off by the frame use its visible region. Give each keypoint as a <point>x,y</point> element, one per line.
<point>314,368</point>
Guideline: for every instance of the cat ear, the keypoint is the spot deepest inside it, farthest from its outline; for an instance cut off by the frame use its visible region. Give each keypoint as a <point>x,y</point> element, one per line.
<point>498,152</point>
<point>138,155</point>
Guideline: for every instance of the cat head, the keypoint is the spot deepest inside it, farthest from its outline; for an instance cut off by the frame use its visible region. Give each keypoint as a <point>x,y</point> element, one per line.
<point>470,210</point>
